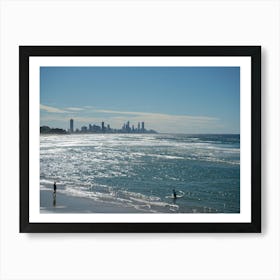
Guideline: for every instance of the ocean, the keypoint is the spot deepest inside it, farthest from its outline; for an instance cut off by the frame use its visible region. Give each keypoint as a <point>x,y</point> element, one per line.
<point>142,170</point>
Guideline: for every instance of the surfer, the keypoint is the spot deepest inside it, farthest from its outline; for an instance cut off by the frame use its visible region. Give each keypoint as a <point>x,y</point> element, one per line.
<point>54,188</point>
<point>174,194</point>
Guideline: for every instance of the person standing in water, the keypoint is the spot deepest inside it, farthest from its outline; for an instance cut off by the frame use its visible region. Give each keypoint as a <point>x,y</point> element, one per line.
<point>54,188</point>
<point>174,194</point>
<point>54,194</point>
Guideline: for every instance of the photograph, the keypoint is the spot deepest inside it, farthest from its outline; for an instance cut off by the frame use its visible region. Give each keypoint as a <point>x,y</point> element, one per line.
<point>140,140</point>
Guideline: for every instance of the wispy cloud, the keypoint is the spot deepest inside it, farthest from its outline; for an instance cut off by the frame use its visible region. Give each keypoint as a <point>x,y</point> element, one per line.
<point>74,109</point>
<point>88,107</point>
<point>50,109</point>
<point>119,112</point>
<point>160,116</point>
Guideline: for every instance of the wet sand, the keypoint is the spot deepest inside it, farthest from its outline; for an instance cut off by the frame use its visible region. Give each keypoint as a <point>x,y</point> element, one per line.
<point>64,203</point>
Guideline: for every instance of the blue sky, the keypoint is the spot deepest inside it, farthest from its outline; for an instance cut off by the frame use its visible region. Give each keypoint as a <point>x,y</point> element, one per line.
<point>167,99</point>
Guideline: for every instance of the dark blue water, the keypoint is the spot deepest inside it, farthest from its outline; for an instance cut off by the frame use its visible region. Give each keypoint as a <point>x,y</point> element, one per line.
<point>142,170</point>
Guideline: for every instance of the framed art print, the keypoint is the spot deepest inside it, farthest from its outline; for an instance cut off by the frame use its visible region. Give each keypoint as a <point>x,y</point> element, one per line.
<point>140,138</point>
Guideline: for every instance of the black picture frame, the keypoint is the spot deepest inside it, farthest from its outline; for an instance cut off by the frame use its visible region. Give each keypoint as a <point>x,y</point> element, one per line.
<point>254,52</point>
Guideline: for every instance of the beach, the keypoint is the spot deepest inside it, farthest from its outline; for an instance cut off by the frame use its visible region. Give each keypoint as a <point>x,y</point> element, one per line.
<point>64,203</point>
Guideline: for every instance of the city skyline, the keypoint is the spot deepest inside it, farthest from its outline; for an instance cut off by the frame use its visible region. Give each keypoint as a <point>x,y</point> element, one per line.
<point>170,99</point>
<point>127,127</point>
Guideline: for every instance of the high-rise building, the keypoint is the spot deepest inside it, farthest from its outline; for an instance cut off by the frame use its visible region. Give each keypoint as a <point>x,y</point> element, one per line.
<point>143,127</point>
<point>102,126</point>
<point>71,125</point>
<point>138,126</point>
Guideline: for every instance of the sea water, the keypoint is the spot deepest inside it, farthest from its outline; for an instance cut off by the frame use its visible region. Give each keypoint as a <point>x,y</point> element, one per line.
<point>142,170</point>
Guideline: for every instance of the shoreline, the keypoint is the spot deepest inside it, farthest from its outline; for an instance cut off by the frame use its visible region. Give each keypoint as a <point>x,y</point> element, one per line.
<point>64,203</point>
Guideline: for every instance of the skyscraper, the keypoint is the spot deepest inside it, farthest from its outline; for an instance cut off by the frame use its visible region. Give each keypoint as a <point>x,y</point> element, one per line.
<point>127,127</point>
<point>71,125</point>
<point>143,127</point>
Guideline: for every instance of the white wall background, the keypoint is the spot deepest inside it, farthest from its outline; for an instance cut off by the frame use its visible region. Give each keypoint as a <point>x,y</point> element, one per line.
<point>139,256</point>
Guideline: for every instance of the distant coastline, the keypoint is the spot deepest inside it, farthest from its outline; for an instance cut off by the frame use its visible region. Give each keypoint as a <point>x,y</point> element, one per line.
<point>59,131</point>
<point>48,130</point>
<point>96,129</point>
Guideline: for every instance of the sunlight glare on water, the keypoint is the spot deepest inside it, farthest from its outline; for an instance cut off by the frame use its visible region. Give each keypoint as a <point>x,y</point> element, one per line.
<point>141,171</point>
